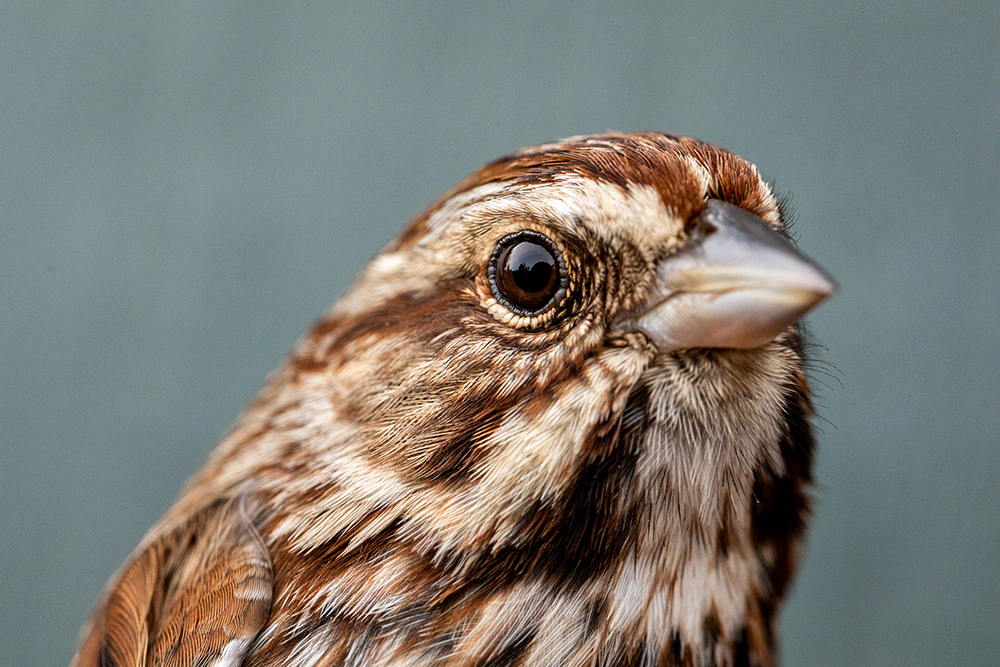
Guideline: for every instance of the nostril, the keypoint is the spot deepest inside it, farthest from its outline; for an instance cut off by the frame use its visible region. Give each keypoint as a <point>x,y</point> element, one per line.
<point>703,229</point>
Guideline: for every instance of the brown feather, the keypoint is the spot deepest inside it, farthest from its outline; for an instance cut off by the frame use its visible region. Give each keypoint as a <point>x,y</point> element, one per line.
<point>187,596</point>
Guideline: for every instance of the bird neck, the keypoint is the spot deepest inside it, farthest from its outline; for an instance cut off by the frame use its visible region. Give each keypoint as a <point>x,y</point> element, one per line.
<point>715,542</point>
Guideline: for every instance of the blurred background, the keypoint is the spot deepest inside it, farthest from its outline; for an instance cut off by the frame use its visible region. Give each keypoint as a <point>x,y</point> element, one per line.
<point>186,186</point>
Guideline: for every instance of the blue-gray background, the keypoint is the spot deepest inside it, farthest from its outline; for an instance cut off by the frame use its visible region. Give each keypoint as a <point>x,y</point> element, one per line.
<point>185,187</point>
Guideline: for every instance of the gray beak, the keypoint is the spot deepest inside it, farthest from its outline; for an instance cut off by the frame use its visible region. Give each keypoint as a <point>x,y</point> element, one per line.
<point>737,284</point>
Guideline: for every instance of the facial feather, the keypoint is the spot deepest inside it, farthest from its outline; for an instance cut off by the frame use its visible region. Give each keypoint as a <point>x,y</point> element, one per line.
<point>441,475</point>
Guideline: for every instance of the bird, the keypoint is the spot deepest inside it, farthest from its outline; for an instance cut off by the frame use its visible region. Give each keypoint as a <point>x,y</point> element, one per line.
<point>562,419</point>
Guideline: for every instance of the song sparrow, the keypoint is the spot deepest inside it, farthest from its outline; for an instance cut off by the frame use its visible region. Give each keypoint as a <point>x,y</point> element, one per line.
<point>561,420</point>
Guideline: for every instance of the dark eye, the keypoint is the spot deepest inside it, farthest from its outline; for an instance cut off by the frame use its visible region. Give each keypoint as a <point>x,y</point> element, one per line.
<point>526,272</point>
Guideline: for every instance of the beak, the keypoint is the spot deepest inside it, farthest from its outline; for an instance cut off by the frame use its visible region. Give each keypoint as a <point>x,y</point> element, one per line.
<point>737,284</point>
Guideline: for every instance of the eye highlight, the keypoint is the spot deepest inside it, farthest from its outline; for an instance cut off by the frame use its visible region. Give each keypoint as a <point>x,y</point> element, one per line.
<point>526,272</point>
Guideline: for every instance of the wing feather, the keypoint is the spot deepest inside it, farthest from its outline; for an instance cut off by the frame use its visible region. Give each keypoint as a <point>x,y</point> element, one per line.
<point>197,595</point>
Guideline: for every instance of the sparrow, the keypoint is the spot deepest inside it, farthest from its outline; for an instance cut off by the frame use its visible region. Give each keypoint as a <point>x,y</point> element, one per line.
<point>562,420</point>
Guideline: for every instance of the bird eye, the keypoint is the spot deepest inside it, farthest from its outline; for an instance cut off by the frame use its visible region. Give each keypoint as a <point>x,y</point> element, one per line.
<point>526,272</point>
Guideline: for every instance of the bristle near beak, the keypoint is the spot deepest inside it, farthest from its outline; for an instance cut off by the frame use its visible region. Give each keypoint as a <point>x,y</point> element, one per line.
<point>737,284</point>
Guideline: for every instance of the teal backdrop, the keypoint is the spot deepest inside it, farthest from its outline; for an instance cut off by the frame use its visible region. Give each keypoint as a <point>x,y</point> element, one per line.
<point>186,186</point>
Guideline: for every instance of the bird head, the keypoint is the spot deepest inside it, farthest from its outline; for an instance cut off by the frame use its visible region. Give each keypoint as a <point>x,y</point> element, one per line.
<point>482,355</point>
